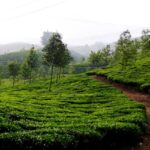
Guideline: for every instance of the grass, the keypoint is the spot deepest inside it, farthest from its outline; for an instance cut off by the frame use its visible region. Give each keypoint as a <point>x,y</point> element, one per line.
<point>79,113</point>
<point>137,74</point>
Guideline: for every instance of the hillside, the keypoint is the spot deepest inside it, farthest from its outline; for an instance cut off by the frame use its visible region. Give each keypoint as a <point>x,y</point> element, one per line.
<point>80,113</point>
<point>20,56</point>
<point>18,51</point>
<point>137,75</point>
<point>78,52</point>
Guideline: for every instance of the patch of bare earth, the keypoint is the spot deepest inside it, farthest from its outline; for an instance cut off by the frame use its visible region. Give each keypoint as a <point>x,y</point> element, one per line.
<point>136,95</point>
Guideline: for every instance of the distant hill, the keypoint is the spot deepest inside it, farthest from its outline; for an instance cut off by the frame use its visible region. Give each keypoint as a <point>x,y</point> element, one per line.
<point>21,55</point>
<point>85,50</point>
<point>18,51</point>
<point>76,51</point>
<point>12,47</point>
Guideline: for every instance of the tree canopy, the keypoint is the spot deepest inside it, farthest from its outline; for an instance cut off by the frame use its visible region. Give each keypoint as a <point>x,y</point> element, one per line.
<point>13,68</point>
<point>56,54</point>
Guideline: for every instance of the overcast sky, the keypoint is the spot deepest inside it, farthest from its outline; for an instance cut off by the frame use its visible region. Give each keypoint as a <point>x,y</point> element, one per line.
<point>79,21</point>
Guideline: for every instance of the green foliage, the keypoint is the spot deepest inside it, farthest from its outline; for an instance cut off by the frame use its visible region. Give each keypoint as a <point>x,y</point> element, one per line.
<point>125,52</point>
<point>18,56</point>
<point>131,61</point>
<point>32,59</point>
<point>106,55</point>
<point>145,43</point>
<point>101,57</point>
<point>56,54</point>
<point>53,50</point>
<point>25,71</point>
<point>31,63</point>
<point>79,111</point>
<point>40,69</point>
<point>13,68</point>
<point>95,58</point>
<point>137,75</point>
<point>78,68</point>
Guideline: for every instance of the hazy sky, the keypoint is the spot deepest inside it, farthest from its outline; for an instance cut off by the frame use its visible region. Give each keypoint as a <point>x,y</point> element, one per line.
<point>79,21</point>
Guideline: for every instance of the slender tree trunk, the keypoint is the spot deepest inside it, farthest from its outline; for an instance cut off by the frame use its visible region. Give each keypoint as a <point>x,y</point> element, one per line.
<point>51,78</point>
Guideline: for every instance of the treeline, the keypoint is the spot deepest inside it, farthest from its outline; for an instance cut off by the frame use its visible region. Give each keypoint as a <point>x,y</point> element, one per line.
<point>126,52</point>
<point>52,60</point>
<point>130,61</point>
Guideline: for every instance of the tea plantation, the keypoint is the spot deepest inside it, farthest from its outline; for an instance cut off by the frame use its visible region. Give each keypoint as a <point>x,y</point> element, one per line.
<point>137,75</point>
<point>79,113</point>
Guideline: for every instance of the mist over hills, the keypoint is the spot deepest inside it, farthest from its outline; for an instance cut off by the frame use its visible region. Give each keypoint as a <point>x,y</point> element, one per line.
<point>85,50</point>
<point>76,51</point>
<point>13,47</point>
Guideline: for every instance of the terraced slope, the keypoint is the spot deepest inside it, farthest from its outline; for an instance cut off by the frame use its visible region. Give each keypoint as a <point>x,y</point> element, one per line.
<point>79,113</point>
<point>138,96</point>
<point>137,75</point>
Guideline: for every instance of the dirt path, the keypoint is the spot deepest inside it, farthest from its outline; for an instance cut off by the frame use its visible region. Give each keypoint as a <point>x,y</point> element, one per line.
<point>140,97</point>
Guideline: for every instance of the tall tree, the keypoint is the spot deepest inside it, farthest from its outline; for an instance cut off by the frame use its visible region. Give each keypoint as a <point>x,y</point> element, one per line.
<point>25,71</point>
<point>95,58</point>
<point>106,55</point>
<point>13,68</point>
<point>145,42</point>
<point>32,61</point>
<point>101,57</point>
<point>53,53</point>
<point>126,51</point>
<point>62,61</point>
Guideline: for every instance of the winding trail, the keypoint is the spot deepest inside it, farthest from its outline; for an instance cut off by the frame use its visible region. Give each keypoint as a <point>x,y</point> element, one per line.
<point>136,95</point>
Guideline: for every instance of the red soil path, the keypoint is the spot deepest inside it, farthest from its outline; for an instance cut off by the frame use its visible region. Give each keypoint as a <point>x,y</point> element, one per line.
<point>136,95</point>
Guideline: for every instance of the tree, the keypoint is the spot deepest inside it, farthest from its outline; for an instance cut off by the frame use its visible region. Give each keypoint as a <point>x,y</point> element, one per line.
<point>54,53</point>
<point>25,71</point>
<point>45,37</point>
<point>145,42</point>
<point>64,59</point>
<point>32,61</point>
<point>101,57</point>
<point>67,57</point>
<point>126,51</point>
<point>13,68</point>
<point>106,55</point>
<point>94,59</point>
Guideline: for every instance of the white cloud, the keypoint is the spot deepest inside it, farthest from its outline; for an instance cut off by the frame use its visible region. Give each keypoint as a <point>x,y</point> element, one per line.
<point>80,21</point>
